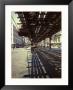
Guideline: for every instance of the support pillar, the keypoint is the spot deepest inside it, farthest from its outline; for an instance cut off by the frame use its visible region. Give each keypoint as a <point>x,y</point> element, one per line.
<point>50,42</point>
<point>44,43</point>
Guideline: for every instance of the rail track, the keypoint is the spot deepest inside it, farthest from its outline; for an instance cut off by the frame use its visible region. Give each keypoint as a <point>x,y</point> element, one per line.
<point>44,64</point>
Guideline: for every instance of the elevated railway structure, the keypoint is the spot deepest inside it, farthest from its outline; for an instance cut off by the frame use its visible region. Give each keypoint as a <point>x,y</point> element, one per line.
<point>37,26</point>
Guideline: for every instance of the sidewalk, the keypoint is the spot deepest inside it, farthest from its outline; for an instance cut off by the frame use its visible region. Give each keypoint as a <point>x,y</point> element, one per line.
<point>19,62</point>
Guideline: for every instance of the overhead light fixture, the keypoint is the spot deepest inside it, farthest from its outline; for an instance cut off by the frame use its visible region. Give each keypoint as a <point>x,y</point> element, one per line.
<point>39,15</point>
<point>50,24</point>
<point>44,16</point>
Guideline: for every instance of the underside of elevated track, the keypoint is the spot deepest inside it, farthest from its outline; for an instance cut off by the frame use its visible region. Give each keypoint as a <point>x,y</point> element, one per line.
<point>37,26</point>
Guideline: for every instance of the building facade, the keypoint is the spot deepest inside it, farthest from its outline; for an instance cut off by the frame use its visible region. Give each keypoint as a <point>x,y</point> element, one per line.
<point>16,40</point>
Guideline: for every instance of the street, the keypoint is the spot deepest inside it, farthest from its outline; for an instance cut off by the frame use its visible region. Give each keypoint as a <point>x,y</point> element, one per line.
<point>19,62</point>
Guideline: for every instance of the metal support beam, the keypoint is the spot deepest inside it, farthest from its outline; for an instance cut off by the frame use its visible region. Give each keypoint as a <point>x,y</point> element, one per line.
<point>43,43</point>
<point>50,42</point>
